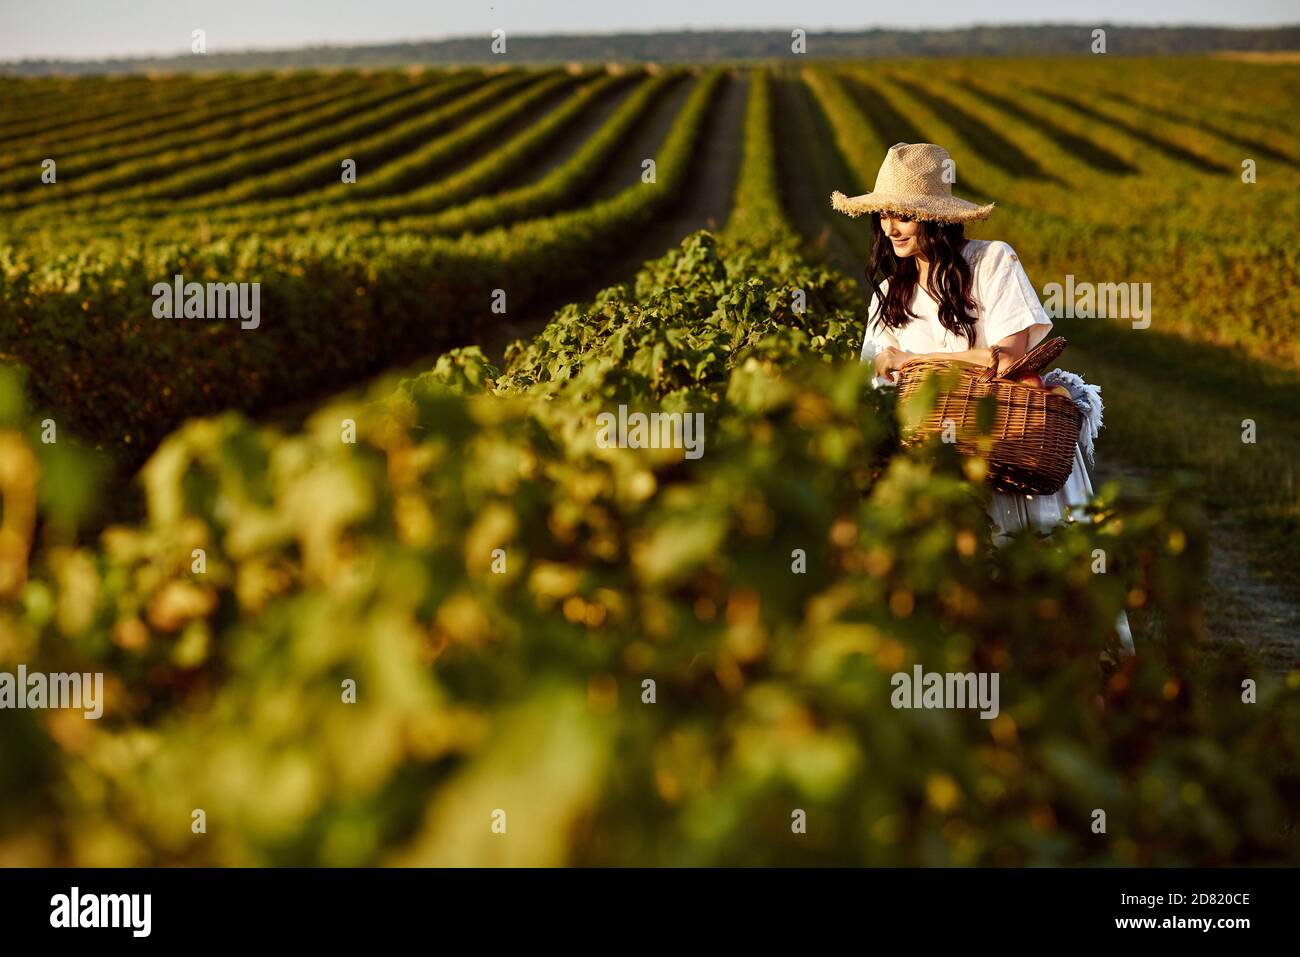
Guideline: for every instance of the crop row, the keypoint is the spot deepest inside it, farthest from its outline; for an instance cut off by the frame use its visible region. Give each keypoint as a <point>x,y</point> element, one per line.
<point>402,154</point>
<point>29,148</point>
<point>371,141</point>
<point>317,172</point>
<point>425,210</point>
<point>297,139</point>
<point>562,185</point>
<point>26,99</point>
<point>234,117</point>
<point>1177,142</point>
<point>478,177</point>
<point>98,115</point>
<point>854,137</point>
<point>35,108</point>
<point>340,306</point>
<point>756,211</point>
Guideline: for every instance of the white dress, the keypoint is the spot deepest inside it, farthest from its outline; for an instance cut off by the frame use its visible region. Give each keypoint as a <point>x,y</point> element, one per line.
<point>1006,304</point>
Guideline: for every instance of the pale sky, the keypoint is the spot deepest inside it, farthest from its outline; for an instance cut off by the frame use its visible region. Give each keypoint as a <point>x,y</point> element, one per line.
<point>86,29</point>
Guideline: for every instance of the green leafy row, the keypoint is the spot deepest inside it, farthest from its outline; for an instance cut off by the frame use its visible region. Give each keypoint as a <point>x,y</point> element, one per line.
<point>423,210</point>
<point>115,110</point>
<point>476,178</point>
<point>564,184</point>
<point>342,306</point>
<point>756,209</point>
<point>316,182</point>
<point>855,138</point>
<point>222,103</point>
<point>231,164</point>
<point>235,115</point>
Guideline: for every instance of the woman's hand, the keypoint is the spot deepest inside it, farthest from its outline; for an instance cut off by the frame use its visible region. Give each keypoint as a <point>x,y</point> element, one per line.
<point>1010,350</point>
<point>889,360</point>
<point>1000,358</point>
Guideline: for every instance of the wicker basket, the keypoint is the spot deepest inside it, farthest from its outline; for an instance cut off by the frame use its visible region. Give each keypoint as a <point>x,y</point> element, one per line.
<point>1034,434</point>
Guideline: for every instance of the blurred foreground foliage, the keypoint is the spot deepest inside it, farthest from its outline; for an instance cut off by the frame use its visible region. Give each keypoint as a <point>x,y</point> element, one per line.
<point>500,589</point>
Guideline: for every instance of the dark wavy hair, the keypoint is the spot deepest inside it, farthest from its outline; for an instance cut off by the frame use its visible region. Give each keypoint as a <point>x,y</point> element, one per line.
<point>949,281</point>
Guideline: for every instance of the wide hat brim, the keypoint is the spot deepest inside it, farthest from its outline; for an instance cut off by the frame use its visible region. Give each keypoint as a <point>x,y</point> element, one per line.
<point>939,209</point>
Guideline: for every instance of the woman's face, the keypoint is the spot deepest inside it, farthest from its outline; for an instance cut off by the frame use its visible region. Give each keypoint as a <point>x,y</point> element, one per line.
<point>901,232</point>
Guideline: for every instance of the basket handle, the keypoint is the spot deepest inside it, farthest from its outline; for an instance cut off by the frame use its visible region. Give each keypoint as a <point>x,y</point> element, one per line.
<point>1035,360</point>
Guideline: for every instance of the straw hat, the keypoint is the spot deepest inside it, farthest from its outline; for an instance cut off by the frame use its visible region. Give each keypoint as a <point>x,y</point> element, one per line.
<point>911,182</point>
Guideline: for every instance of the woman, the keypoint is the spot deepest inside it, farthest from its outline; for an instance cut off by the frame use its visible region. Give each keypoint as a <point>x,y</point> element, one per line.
<point>968,299</point>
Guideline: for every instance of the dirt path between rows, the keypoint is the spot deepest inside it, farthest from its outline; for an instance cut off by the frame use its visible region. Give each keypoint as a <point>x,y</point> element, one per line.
<point>1242,605</point>
<point>809,174</point>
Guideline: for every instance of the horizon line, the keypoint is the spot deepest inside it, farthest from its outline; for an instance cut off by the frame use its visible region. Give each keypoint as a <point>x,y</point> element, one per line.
<point>343,45</point>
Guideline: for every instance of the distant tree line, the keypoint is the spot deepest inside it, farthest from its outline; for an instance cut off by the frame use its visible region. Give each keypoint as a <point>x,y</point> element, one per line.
<point>709,47</point>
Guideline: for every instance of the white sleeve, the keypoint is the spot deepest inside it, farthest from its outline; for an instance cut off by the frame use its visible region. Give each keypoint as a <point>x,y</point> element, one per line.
<point>877,338</point>
<point>1007,301</point>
